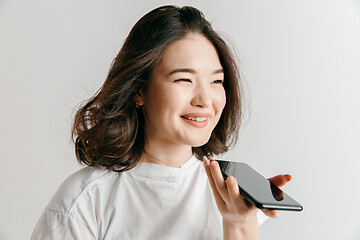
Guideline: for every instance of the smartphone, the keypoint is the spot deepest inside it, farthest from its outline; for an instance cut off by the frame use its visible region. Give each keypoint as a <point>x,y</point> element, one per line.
<point>256,189</point>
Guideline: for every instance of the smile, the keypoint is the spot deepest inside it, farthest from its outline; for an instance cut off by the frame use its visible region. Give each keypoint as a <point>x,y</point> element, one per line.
<point>197,119</point>
<point>199,122</point>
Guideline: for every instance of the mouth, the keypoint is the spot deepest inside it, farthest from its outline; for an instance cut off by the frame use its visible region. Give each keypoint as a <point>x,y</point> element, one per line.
<point>196,119</point>
<point>198,122</point>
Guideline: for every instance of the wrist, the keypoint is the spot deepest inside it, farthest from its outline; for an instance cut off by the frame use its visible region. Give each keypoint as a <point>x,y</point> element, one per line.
<point>245,230</point>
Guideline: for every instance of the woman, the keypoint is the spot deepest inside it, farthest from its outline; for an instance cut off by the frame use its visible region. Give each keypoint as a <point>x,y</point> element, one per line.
<point>171,98</point>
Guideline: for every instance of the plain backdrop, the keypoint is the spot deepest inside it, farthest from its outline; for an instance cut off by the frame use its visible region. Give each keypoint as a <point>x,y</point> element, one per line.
<point>300,63</point>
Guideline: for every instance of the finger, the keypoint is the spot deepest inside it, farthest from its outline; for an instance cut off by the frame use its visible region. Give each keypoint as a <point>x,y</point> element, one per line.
<point>271,213</point>
<point>219,181</point>
<point>236,198</point>
<point>280,180</point>
<point>219,200</point>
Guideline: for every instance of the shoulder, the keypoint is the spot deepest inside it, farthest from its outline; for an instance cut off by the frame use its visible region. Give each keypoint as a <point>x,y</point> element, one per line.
<point>78,186</point>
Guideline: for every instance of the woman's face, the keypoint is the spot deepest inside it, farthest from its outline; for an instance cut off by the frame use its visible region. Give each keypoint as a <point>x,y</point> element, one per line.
<point>184,97</point>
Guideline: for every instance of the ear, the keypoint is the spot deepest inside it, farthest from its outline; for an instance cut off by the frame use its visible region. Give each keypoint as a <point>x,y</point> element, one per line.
<point>139,97</point>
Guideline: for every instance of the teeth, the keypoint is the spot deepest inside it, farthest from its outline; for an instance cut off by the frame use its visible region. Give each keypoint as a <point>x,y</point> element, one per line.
<point>198,119</point>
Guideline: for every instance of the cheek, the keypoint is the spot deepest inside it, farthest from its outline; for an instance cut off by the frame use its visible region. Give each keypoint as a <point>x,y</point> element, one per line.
<point>165,101</point>
<point>220,100</point>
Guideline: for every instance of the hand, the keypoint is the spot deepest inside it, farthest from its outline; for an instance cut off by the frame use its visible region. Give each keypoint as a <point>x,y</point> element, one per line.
<point>279,181</point>
<point>232,206</point>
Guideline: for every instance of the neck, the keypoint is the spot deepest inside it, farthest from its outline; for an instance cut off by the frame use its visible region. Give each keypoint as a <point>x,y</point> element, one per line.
<point>167,156</point>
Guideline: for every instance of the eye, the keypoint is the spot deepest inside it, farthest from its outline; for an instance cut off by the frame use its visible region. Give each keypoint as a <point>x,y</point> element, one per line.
<point>183,80</point>
<point>218,81</point>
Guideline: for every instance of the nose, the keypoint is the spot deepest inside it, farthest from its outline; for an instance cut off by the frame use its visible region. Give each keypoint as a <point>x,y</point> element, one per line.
<point>201,97</point>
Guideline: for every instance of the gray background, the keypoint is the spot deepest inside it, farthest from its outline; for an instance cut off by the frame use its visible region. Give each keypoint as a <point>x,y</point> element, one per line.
<point>300,60</point>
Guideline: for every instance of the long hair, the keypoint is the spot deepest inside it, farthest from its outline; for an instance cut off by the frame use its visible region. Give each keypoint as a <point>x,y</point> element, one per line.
<point>108,129</point>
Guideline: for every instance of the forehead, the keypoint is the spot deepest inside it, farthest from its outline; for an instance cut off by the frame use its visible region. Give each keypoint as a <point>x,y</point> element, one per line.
<point>193,51</point>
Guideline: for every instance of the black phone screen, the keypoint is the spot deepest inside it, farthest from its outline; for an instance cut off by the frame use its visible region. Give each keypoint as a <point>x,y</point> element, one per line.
<point>257,189</point>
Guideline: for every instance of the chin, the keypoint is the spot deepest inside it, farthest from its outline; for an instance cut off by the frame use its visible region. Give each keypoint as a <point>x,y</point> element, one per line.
<point>198,145</point>
<point>199,142</point>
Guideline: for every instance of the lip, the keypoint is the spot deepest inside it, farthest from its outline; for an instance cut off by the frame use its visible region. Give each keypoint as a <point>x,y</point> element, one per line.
<point>195,115</point>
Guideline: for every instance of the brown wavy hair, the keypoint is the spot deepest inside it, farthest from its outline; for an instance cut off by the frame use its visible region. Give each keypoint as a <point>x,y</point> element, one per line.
<point>108,129</point>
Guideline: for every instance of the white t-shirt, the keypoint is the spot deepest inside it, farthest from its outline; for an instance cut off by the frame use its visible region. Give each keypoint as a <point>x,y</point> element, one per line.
<point>150,201</point>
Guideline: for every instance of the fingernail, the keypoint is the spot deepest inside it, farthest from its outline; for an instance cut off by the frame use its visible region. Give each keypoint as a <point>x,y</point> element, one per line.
<point>206,161</point>
<point>288,176</point>
<point>213,163</point>
<point>277,215</point>
<point>229,181</point>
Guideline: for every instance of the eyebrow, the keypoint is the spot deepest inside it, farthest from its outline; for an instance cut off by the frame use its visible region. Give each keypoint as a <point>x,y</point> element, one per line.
<point>190,70</point>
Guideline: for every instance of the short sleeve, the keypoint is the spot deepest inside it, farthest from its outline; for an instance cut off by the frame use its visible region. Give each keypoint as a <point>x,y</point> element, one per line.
<point>57,225</point>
